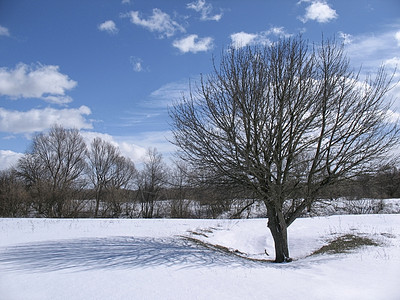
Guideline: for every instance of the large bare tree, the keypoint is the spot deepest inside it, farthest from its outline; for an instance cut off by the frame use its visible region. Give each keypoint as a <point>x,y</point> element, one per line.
<point>53,168</point>
<point>285,121</point>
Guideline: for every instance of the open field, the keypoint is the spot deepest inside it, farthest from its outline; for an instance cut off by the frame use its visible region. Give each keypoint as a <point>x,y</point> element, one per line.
<point>196,259</point>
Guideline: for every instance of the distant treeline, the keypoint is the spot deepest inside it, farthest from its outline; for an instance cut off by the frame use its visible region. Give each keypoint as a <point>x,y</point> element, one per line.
<point>63,177</point>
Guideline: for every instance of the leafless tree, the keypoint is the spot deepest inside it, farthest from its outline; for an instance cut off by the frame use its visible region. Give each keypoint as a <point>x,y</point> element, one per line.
<point>101,159</point>
<point>109,172</point>
<point>179,184</point>
<point>285,121</point>
<point>14,200</point>
<point>124,173</point>
<point>387,181</point>
<point>53,168</point>
<point>151,180</point>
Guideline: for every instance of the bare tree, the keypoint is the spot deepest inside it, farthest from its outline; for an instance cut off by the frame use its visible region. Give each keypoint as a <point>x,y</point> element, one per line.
<point>14,200</point>
<point>101,159</point>
<point>387,181</point>
<point>179,183</point>
<point>285,121</point>
<point>53,168</point>
<point>109,172</point>
<point>123,175</point>
<point>151,181</point>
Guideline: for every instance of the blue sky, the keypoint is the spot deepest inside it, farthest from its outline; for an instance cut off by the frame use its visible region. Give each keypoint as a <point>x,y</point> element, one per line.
<point>111,67</point>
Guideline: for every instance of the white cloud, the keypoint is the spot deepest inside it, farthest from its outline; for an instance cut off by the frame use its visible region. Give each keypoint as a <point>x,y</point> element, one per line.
<point>159,22</point>
<point>109,27</point>
<point>137,145</point>
<point>4,31</point>
<point>127,148</point>
<point>193,43</point>
<point>243,39</point>
<point>126,2</point>
<point>373,49</point>
<point>278,31</point>
<point>135,152</point>
<point>392,116</point>
<point>9,159</point>
<point>347,38</point>
<point>169,93</point>
<point>137,64</point>
<point>392,62</point>
<point>397,37</point>
<point>319,11</point>
<point>133,147</point>
<point>40,81</point>
<point>392,66</point>
<point>205,10</point>
<point>36,120</point>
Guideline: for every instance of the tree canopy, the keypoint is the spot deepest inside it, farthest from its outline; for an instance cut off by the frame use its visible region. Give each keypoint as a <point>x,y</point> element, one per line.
<point>285,120</point>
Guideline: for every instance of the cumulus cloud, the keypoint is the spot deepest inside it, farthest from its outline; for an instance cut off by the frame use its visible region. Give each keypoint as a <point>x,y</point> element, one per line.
<point>319,11</point>
<point>127,148</point>
<point>9,159</point>
<point>4,31</point>
<point>39,81</point>
<point>193,43</point>
<point>135,152</point>
<point>205,10</point>
<point>243,39</point>
<point>138,144</point>
<point>36,120</point>
<point>159,22</point>
<point>109,27</point>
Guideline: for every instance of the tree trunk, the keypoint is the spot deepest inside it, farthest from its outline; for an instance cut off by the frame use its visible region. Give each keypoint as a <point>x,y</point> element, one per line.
<point>96,210</point>
<point>278,227</point>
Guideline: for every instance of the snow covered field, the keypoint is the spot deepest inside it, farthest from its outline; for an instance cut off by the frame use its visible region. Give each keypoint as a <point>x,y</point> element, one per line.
<point>154,259</point>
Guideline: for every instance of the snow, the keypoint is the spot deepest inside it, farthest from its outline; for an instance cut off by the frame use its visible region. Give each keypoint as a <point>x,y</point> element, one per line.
<point>153,259</point>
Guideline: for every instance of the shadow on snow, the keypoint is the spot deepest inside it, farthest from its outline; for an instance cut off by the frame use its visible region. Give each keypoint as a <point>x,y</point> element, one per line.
<point>115,252</point>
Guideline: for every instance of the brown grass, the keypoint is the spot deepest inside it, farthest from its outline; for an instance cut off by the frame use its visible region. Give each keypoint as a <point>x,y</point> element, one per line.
<point>344,244</point>
<point>223,249</point>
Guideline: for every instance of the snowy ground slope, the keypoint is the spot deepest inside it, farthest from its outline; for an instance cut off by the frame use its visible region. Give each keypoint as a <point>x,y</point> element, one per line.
<point>152,259</point>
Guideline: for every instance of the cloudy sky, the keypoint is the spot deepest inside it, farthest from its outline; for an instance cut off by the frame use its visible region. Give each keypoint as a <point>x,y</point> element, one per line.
<point>111,67</point>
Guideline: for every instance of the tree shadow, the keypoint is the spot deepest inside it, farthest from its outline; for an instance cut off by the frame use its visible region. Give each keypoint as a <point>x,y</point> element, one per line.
<point>115,252</point>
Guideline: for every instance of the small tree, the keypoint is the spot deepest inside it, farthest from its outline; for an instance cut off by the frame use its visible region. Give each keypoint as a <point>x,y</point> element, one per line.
<point>14,200</point>
<point>179,184</point>
<point>285,121</point>
<point>387,181</point>
<point>151,180</point>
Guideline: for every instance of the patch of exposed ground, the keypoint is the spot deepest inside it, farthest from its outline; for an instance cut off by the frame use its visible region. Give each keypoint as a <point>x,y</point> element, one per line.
<point>345,244</point>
